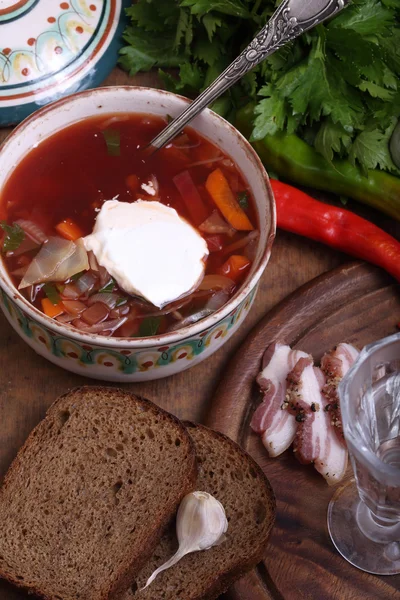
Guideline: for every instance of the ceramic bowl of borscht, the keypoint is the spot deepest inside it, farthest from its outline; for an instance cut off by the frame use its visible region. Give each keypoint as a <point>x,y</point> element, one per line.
<point>120,263</point>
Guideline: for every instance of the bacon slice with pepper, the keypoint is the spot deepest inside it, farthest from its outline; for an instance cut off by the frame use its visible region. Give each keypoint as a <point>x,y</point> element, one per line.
<point>335,365</point>
<point>315,440</point>
<point>276,425</point>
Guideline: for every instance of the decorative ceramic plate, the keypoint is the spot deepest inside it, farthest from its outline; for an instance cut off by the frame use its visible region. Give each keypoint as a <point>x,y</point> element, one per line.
<point>51,48</point>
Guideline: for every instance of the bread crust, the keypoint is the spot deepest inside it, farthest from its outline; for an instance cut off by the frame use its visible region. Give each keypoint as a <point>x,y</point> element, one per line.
<point>128,572</point>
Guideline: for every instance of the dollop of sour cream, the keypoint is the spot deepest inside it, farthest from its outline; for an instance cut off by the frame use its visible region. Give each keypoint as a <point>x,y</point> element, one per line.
<point>148,249</point>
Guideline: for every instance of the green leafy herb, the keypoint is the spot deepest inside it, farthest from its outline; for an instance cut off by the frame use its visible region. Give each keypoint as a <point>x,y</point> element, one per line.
<point>371,149</point>
<point>332,138</point>
<point>146,51</point>
<point>109,287</point>
<point>337,86</point>
<point>227,7</point>
<point>243,199</point>
<point>76,276</point>
<point>113,140</point>
<point>52,293</point>
<point>14,236</point>
<point>146,17</point>
<point>211,23</point>
<point>121,301</point>
<point>149,326</point>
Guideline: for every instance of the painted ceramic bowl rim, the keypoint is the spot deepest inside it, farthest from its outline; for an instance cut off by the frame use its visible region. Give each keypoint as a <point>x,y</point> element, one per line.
<point>184,332</point>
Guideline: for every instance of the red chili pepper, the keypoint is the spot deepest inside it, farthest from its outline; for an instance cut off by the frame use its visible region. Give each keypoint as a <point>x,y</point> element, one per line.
<point>194,203</point>
<point>336,227</point>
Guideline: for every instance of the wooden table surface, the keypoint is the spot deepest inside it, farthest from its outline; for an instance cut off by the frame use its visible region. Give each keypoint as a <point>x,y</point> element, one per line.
<point>29,384</point>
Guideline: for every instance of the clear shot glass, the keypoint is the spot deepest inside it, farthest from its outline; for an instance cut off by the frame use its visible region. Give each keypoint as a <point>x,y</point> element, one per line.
<point>364,514</point>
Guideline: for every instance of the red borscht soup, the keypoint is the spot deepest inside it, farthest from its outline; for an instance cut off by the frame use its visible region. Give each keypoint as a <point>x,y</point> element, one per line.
<point>54,195</point>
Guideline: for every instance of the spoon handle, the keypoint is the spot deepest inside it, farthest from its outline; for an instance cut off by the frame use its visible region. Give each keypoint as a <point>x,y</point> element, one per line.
<point>290,20</point>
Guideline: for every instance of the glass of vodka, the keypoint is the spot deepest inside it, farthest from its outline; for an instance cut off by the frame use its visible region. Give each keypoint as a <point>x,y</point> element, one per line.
<point>364,514</point>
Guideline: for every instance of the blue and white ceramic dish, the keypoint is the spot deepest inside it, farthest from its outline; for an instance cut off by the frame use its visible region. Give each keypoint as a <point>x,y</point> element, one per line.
<point>51,48</point>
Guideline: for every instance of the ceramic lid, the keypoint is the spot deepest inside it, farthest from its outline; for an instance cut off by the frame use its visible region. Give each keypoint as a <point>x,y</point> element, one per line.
<point>50,48</point>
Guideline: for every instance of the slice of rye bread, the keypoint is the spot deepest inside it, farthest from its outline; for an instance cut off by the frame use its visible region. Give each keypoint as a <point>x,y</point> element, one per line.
<point>235,479</point>
<point>88,496</point>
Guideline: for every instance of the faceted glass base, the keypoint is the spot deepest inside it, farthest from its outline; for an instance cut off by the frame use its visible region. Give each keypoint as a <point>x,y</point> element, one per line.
<point>345,511</point>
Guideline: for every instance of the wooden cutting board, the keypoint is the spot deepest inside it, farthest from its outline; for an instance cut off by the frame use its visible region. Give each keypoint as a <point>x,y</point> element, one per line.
<point>355,303</point>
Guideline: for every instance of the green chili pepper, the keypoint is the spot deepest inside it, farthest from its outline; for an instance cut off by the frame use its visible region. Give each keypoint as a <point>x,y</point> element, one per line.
<point>292,158</point>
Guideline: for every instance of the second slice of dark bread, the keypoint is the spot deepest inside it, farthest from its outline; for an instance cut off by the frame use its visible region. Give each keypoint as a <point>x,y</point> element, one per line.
<point>235,479</point>
<point>85,501</point>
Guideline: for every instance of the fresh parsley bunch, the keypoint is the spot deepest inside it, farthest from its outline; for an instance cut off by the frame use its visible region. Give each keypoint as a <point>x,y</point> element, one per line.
<point>337,86</point>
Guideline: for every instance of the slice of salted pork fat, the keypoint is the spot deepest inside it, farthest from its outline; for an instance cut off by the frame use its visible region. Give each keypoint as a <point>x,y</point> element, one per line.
<point>271,420</point>
<point>335,365</point>
<point>315,441</point>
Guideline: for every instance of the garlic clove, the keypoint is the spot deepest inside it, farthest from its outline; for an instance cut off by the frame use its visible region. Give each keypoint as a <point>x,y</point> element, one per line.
<point>200,524</point>
<point>201,521</point>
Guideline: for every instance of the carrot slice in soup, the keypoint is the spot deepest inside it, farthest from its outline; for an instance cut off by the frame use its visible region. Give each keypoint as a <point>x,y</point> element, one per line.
<point>50,309</point>
<point>132,182</point>
<point>235,267</point>
<point>218,187</point>
<point>69,230</point>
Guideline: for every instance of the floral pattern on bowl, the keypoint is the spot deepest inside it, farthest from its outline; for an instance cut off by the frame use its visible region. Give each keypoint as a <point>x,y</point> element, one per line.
<point>125,364</point>
<point>50,49</point>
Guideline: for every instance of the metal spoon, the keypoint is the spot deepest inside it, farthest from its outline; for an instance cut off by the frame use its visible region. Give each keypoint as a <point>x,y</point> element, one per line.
<point>290,20</point>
